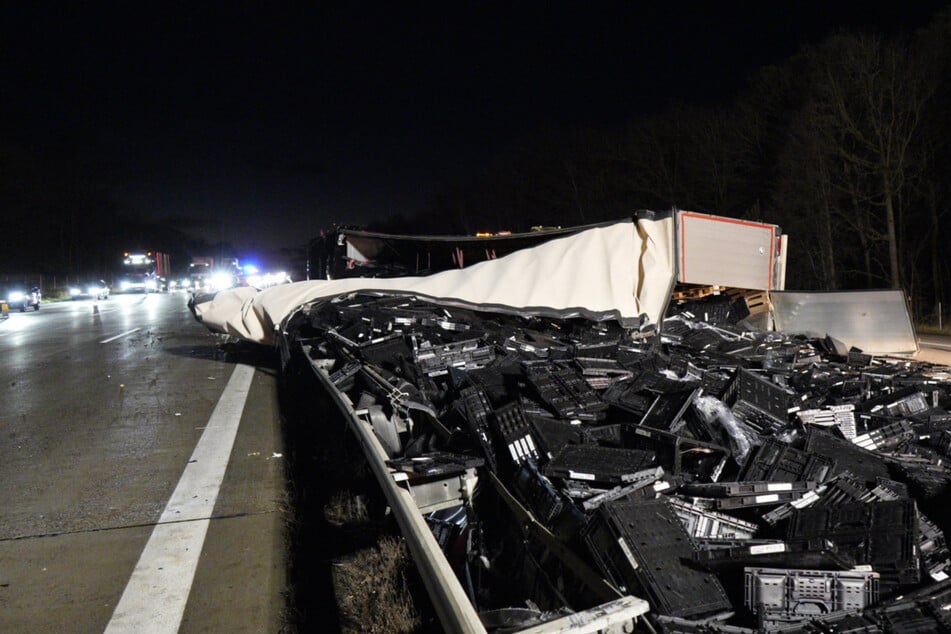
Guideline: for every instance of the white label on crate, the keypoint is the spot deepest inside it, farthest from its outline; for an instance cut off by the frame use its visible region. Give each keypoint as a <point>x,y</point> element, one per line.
<point>574,475</point>
<point>805,500</point>
<point>779,486</point>
<point>522,447</point>
<point>531,445</point>
<point>627,552</point>
<point>762,499</point>
<point>642,432</point>
<point>764,549</point>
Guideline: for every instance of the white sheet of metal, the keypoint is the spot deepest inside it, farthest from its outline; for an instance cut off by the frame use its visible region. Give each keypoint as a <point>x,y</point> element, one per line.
<point>721,251</point>
<point>876,322</point>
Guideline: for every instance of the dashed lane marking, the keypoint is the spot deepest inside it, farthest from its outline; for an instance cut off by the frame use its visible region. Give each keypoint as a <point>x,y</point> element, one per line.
<point>120,335</point>
<point>155,597</point>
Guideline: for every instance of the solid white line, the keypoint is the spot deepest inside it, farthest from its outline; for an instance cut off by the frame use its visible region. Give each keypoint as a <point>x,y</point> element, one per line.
<point>155,597</point>
<point>127,332</point>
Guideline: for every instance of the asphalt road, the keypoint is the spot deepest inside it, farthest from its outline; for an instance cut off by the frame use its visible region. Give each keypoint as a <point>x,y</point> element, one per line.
<point>934,349</point>
<point>138,463</point>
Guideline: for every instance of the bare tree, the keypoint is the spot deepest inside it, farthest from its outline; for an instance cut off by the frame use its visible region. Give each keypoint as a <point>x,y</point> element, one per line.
<point>870,101</point>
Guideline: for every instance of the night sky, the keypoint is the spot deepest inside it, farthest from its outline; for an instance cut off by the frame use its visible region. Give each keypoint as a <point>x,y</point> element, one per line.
<point>261,126</point>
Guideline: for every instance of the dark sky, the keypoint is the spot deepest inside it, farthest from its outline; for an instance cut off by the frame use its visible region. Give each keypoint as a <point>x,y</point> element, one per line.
<point>260,125</point>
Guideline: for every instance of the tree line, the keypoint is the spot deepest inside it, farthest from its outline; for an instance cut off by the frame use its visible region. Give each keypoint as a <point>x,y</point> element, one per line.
<point>844,145</point>
<point>60,217</point>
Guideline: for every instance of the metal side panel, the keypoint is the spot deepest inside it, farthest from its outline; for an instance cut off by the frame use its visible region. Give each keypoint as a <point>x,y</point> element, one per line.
<point>723,251</point>
<point>876,322</point>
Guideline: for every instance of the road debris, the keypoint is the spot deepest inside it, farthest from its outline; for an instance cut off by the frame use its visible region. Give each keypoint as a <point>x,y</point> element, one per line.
<point>735,478</point>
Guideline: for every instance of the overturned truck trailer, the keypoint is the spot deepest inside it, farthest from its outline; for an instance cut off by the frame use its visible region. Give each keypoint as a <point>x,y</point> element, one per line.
<point>601,432</point>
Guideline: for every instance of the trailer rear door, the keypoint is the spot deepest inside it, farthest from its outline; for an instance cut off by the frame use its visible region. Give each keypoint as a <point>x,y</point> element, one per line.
<point>719,251</point>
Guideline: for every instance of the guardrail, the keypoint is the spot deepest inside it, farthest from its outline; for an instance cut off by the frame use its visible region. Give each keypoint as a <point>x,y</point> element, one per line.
<point>450,601</point>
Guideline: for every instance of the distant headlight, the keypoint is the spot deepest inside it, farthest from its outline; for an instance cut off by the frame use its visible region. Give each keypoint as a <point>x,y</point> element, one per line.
<point>221,281</point>
<point>75,291</point>
<point>124,285</point>
<point>150,285</point>
<point>15,296</point>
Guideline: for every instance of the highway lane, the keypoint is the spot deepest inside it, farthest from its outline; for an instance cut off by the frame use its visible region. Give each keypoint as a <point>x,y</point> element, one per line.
<point>103,406</point>
<point>934,349</point>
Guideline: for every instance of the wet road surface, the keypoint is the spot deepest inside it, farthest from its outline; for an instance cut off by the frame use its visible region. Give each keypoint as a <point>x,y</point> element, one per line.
<point>102,461</point>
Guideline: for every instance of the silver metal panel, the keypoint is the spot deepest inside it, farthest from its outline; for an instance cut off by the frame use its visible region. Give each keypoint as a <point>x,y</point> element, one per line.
<point>443,493</point>
<point>721,251</point>
<point>876,322</point>
<point>620,615</point>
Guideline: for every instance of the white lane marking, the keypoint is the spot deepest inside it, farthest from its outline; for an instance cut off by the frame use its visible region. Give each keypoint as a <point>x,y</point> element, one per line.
<point>155,597</point>
<point>942,346</point>
<point>119,336</point>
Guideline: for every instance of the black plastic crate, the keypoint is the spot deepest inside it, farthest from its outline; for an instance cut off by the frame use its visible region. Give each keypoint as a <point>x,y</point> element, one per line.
<point>777,461</point>
<point>477,411</point>
<point>538,492</point>
<point>678,455</point>
<point>553,434</point>
<point>566,392</point>
<point>641,546</point>
<point>744,488</point>
<point>668,410</point>
<point>515,434</point>
<point>764,395</point>
<point>592,463</point>
<point>436,464</point>
<point>819,554</point>
<point>386,352</point>
<point>783,596</point>
<point>860,462</point>
<point>628,397</point>
<point>883,535</point>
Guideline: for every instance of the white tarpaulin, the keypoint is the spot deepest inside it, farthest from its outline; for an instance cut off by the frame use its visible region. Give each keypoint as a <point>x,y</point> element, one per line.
<point>622,271</point>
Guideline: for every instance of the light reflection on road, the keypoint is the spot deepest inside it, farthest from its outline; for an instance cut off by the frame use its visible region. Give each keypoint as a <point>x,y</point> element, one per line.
<point>15,330</point>
<point>68,320</point>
